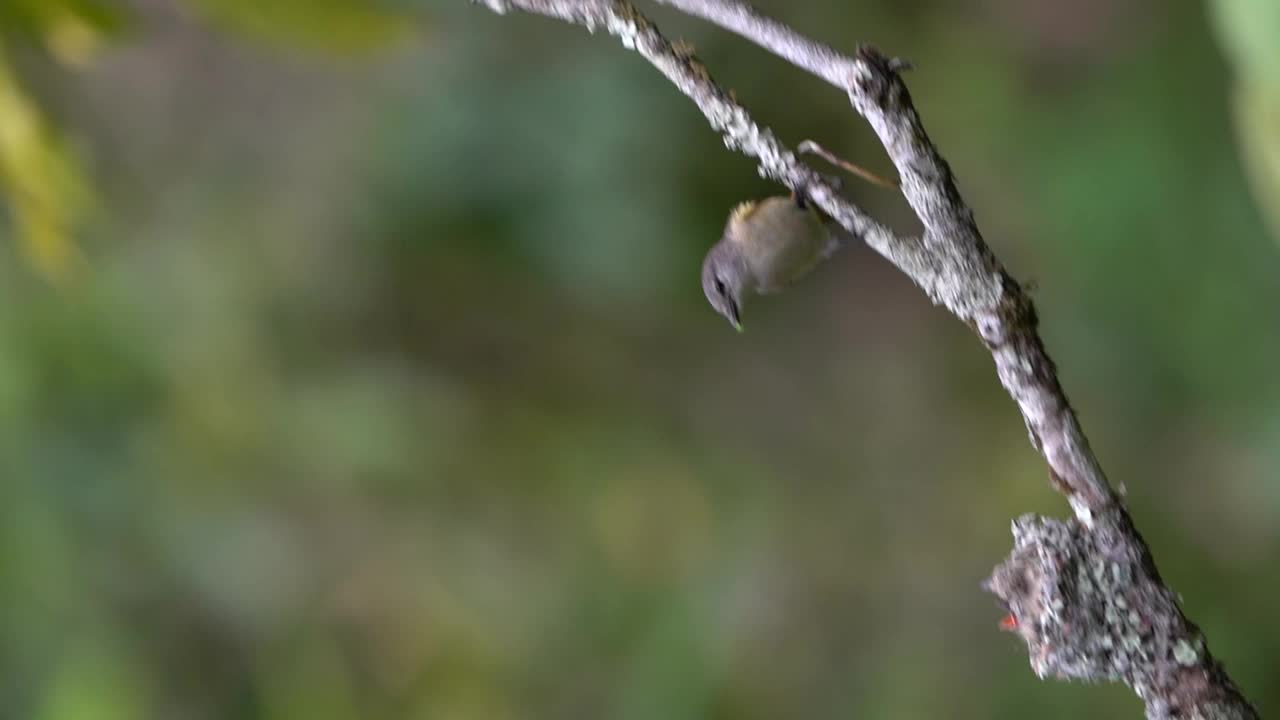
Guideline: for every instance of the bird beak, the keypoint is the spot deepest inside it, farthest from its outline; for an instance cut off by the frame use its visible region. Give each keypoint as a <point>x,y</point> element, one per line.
<point>735,318</point>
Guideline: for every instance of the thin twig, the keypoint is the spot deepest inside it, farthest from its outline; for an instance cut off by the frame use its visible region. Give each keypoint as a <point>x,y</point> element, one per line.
<point>1084,594</point>
<point>810,147</point>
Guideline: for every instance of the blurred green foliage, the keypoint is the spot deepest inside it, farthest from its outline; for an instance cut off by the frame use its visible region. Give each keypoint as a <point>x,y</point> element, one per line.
<point>1250,33</point>
<point>45,20</point>
<point>387,389</point>
<point>44,183</point>
<point>327,25</point>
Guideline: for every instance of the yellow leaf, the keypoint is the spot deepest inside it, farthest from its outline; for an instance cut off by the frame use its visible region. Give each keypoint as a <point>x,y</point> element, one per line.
<point>72,30</point>
<point>41,181</point>
<point>73,40</point>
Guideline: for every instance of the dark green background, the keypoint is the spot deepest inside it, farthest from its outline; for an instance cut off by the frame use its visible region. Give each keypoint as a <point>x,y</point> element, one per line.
<point>389,390</point>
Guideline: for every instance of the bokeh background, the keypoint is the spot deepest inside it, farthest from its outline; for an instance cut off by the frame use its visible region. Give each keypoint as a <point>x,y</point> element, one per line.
<point>353,362</point>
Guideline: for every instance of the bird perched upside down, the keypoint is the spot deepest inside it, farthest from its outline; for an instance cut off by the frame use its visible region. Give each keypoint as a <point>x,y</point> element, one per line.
<point>771,243</point>
<point>766,245</point>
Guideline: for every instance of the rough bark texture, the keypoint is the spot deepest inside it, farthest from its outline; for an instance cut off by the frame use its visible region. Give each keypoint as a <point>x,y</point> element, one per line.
<point>1084,594</point>
<point>1091,606</point>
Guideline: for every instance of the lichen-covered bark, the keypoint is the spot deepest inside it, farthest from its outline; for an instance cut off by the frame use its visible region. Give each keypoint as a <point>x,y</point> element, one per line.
<point>1091,606</point>
<point>1084,594</point>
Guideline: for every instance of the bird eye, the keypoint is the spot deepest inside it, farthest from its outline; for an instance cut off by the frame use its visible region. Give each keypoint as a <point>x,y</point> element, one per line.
<point>719,286</point>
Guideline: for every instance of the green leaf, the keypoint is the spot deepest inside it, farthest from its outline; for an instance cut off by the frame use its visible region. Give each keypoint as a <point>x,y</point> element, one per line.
<point>329,25</point>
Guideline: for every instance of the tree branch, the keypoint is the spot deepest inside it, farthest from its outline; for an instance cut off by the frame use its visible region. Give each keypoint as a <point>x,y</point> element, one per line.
<point>1084,594</point>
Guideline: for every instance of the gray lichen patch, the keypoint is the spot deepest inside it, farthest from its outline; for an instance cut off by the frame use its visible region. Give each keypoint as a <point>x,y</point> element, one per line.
<point>1090,606</point>
<point>1186,653</point>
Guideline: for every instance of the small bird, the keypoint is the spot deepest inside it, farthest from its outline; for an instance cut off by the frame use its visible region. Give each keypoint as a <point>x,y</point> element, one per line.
<point>766,245</point>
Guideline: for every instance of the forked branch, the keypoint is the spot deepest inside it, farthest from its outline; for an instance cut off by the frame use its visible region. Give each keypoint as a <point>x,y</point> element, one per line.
<point>1084,593</point>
